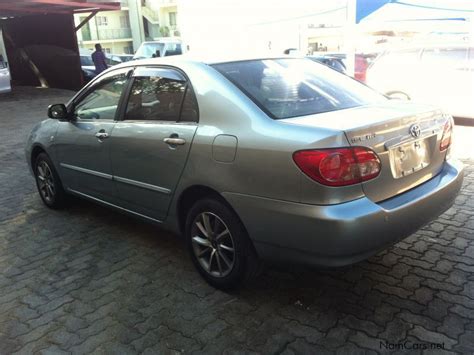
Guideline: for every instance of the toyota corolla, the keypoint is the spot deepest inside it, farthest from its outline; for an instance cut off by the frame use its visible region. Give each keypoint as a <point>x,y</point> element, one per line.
<point>265,159</point>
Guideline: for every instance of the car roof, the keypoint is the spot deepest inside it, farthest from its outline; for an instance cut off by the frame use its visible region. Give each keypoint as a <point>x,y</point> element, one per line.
<point>201,59</point>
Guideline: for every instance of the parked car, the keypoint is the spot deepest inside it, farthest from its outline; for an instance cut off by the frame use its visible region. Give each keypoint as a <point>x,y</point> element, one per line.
<point>334,62</point>
<point>121,58</point>
<point>166,47</point>
<point>276,159</point>
<point>441,74</point>
<point>88,67</point>
<point>5,84</point>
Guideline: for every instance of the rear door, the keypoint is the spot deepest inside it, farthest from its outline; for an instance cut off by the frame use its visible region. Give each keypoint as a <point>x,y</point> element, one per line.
<point>151,142</point>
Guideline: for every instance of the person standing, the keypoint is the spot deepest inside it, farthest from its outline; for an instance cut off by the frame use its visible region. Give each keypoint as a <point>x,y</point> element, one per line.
<point>98,57</point>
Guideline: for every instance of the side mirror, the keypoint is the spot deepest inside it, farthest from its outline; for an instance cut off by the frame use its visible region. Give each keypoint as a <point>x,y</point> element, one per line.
<point>57,111</point>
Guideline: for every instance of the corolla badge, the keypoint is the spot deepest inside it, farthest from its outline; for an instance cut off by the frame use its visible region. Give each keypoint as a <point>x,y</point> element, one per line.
<point>415,130</point>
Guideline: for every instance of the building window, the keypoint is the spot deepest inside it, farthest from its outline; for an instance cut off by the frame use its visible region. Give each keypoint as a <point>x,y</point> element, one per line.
<point>107,50</point>
<point>124,22</point>
<point>172,16</point>
<point>102,21</point>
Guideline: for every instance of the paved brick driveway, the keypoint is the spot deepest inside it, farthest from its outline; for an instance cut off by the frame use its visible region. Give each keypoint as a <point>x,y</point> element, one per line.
<point>90,280</point>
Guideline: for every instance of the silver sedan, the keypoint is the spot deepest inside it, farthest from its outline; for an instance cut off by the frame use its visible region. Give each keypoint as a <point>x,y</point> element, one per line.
<point>262,159</point>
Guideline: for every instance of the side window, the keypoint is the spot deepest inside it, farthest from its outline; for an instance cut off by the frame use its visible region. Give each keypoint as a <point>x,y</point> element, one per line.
<point>102,101</point>
<point>173,49</point>
<point>155,98</point>
<point>190,111</point>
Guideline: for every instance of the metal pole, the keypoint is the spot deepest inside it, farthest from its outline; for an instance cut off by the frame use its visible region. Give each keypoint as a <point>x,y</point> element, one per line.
<point>350,36</point>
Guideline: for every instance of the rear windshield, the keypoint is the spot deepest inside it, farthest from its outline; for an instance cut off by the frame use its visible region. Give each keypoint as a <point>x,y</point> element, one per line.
<point>286,88</point>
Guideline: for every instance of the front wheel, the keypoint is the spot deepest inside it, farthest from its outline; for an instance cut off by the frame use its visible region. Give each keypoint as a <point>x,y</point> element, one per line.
<point>219,245</point>
<point>48,182</point>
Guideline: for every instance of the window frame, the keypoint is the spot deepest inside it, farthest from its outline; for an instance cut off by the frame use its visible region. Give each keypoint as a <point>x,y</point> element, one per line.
<point>102,21</point>
<point>172,15</point>
<point>93,86</point>
<point>164,68</point>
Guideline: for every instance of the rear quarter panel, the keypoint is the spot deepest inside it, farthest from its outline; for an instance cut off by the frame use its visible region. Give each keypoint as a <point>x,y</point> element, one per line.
<point>263,164</point>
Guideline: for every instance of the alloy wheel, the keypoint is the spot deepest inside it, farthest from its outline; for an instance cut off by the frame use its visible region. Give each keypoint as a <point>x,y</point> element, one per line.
<point>45,181</point>
<point>213,245</point>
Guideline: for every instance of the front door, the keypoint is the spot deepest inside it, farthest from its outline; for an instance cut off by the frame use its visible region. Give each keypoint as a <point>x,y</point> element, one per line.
<point>150,145</point>
<point>83,143</point>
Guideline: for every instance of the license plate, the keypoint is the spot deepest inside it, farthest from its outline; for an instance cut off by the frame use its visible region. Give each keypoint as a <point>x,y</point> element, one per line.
<point>408,158</point>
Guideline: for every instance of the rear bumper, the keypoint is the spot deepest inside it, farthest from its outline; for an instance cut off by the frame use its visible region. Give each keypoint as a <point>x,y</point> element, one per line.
<point>337,235</point>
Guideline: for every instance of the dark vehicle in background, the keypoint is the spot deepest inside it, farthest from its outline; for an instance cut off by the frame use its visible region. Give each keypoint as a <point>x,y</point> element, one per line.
<point>338,61</point>
<point>437,73</point>
<point>121,58</point>
<point>333,62</point>
<point>88,67</point>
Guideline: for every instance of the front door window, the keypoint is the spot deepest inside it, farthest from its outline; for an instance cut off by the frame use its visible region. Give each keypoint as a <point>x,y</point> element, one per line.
<point>102,102</point>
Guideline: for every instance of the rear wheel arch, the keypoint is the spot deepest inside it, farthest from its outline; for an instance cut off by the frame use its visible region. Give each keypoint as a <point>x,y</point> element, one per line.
<point>193,194</point>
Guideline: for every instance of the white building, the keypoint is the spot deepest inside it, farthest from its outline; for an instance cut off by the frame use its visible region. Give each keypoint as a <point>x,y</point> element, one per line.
<point>123,31</point>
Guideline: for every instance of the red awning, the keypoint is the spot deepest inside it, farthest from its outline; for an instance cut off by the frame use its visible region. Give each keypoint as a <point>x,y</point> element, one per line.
<point>30,7</point>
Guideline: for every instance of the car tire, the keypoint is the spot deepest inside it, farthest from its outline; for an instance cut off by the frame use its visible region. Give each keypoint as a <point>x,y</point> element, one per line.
<point>48,182</point>
<point>219,245</point>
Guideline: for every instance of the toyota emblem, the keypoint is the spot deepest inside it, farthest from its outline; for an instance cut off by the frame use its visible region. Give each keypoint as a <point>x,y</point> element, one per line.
<point>415,130</point>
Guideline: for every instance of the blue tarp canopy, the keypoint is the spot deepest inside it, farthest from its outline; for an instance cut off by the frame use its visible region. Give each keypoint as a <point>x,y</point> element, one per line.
<point>409,10</point>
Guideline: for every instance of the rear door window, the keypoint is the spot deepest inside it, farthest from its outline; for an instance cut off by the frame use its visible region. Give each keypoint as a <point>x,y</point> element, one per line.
<point>156,95</point>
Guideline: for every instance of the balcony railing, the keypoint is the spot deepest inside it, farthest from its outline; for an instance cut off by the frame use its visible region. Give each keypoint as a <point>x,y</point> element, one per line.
<point>116,33</point>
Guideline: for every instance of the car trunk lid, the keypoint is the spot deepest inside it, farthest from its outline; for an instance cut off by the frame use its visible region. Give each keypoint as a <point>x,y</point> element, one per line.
<point>405,136</point>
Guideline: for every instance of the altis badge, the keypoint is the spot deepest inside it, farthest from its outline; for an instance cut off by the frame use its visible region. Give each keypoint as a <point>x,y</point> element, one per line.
<point>365,137</point>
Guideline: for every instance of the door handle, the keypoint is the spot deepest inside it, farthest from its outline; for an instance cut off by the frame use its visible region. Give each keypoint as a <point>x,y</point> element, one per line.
<point>174,141</point>
<point>102,135</point>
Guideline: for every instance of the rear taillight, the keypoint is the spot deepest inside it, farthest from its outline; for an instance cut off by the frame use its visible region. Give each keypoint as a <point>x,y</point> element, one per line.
<point>446,137</point>
<point>338,166</point>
